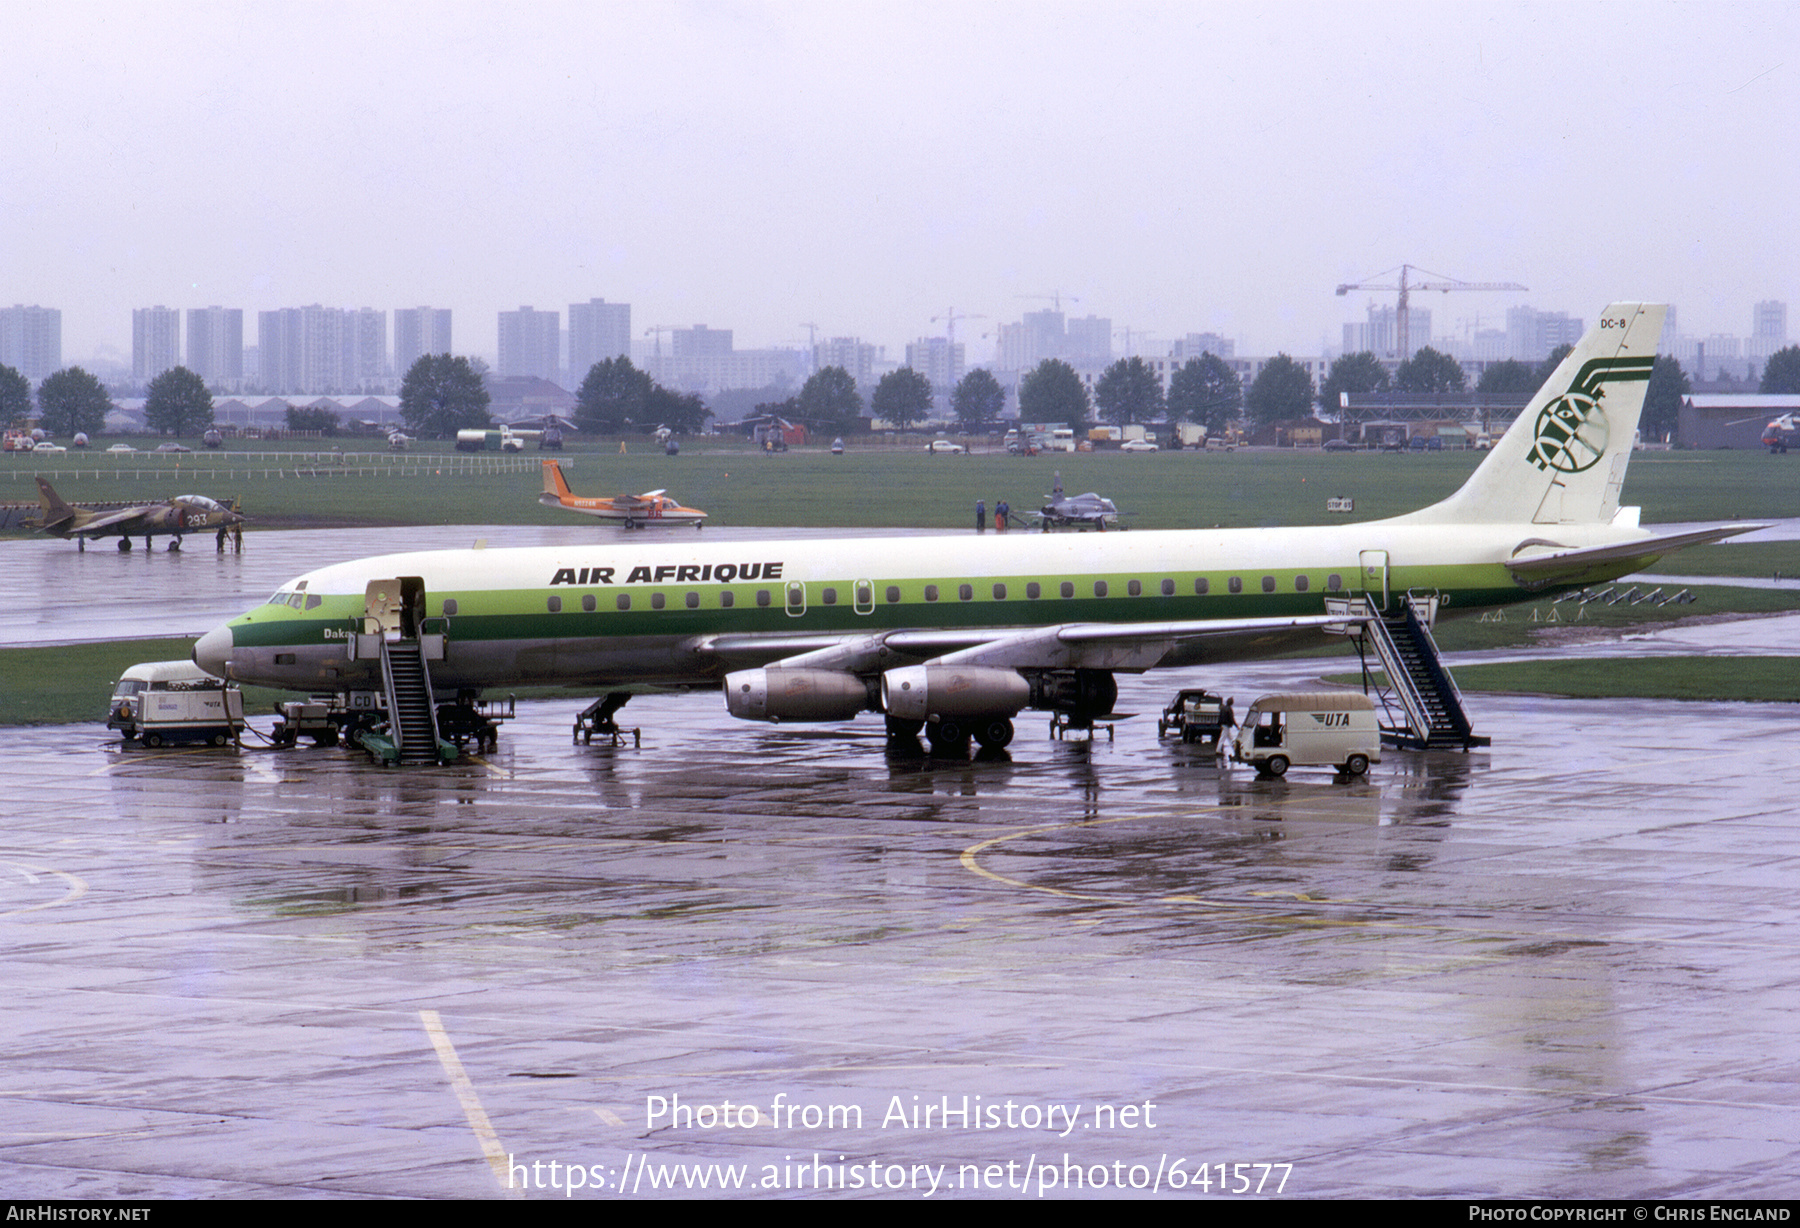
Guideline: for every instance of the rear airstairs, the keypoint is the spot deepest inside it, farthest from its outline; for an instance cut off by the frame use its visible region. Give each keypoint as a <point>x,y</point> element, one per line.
<point>1424,708</point>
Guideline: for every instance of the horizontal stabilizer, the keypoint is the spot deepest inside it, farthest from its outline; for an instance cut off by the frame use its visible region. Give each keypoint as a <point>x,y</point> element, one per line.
<point>1556,563</point>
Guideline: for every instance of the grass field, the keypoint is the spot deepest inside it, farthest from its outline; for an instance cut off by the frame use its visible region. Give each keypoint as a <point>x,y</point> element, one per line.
<point>873,486</point>
<point>1738,679</point>
<point>73,683</point>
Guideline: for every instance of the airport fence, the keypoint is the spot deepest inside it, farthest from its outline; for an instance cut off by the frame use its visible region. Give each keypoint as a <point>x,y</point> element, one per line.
<point>294,465</point>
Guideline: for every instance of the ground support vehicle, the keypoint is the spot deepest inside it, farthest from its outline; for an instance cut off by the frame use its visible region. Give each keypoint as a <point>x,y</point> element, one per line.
<point>1196,716</point>
<point>1335,728</point>
<point>159,702</point>
<point>315,718</point>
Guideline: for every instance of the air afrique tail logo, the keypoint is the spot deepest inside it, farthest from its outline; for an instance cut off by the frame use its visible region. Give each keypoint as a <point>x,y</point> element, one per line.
<point>1571,433</point>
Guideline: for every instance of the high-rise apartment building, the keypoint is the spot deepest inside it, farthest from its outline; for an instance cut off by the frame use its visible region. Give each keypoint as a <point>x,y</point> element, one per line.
<point>31,340</point>
<point>1768,329</point>
<point>1531,334</point>
<point>938,361</point>
<point>321,349</point>
<point>1038,336</point>
<point>853,354</point>
<point>531,343</point>
<point>1088,340</point>
<point>155,342</point>
<point>368,340</point>
<point>1194,345</point>
<point>1380,336</point>
<point>215,345</point>
<point>700,341</point>
<point>419,331</point>
<point>598,330</point>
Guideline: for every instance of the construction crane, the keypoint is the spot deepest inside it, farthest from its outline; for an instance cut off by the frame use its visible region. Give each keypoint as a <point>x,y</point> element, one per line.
<point>657,330</point>
<point>1402,330</point>
<point>949,319</point>
<point>1054,297</point>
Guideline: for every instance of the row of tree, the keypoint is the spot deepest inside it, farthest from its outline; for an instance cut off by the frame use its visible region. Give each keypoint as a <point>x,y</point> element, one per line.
<point>72,402</point>
<point>443,393</point>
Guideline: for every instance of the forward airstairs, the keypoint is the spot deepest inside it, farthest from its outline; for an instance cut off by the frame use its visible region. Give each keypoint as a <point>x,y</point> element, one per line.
<point>411,735</point>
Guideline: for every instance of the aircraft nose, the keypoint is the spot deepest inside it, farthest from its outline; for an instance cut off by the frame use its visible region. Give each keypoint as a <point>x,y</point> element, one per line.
<point>212,652</point>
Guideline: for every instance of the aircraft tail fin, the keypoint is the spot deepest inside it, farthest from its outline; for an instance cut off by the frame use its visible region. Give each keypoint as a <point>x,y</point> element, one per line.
<point>1563,460</point>
<point>554,483</point>
<point>56,512</point>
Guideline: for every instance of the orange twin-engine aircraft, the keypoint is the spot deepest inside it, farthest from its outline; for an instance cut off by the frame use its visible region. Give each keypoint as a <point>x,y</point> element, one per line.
<point>633,511</point>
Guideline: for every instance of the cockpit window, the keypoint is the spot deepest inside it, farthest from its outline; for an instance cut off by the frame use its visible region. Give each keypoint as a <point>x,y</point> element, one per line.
<point>298,601</point>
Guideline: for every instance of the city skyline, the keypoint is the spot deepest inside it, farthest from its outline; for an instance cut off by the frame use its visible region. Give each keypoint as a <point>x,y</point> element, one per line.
<point>857,170</point>
<point>329,350</point>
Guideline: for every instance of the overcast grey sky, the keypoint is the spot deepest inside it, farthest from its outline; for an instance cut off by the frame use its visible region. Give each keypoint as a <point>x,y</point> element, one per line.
<point>1177,167</point>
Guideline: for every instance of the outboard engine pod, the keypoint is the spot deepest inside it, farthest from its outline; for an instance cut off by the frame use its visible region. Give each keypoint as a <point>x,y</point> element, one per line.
<point>777,694</point>
<point>924,692</point>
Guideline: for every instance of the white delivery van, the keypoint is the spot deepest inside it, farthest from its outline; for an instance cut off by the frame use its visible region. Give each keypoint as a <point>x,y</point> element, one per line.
<point>1338,728</point>
<point>175,701</point>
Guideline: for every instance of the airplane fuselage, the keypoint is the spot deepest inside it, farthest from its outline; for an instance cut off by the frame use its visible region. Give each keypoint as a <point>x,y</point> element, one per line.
<point>663,614</point>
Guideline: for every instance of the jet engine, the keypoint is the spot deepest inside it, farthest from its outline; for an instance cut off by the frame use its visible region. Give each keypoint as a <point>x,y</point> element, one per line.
<point>777,694</point>
<point>928,692</point>
<point>1078,692</point>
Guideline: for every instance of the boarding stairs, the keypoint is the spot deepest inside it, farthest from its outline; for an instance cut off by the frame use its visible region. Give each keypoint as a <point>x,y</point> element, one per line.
<point>412,712</point>
<point>1418,684</point>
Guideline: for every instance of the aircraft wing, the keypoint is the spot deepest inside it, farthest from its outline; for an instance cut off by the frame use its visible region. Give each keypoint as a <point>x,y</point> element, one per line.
<point>1130,647</point>
<point>1549,563</point>
<point>106,521</point>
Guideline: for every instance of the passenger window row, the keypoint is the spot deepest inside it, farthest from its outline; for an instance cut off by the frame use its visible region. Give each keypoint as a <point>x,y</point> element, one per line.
<point>828,595</point>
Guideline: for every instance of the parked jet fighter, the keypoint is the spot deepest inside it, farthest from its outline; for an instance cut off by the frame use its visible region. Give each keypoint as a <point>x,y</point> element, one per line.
<point>632,511</point>
<point>172,518</point>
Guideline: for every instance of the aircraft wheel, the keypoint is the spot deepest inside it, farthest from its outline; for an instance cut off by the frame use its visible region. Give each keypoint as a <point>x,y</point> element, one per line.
<point>174,545</point>
<point>995,734</point>
<point>948,737</point>
<point>1277,765</point>
<point>219,739</point>
<point>900,728</point>
<point>153,740</point>
<point>1357,765</point>
<point>124,545</point>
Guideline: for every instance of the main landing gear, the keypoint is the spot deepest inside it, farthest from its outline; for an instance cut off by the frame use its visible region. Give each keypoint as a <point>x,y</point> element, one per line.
<point>951,737</point>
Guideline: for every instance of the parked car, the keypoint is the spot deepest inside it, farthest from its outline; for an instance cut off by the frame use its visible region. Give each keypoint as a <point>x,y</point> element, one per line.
<point>173,447</point>
<point>1138,445</point>
<point>1339,445</point>
<point>49,449</point>
<point>944,445</point>
<point>121,447</point>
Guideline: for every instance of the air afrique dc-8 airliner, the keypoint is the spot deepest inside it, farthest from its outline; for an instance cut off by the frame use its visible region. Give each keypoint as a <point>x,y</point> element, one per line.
<point>959,634</point>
